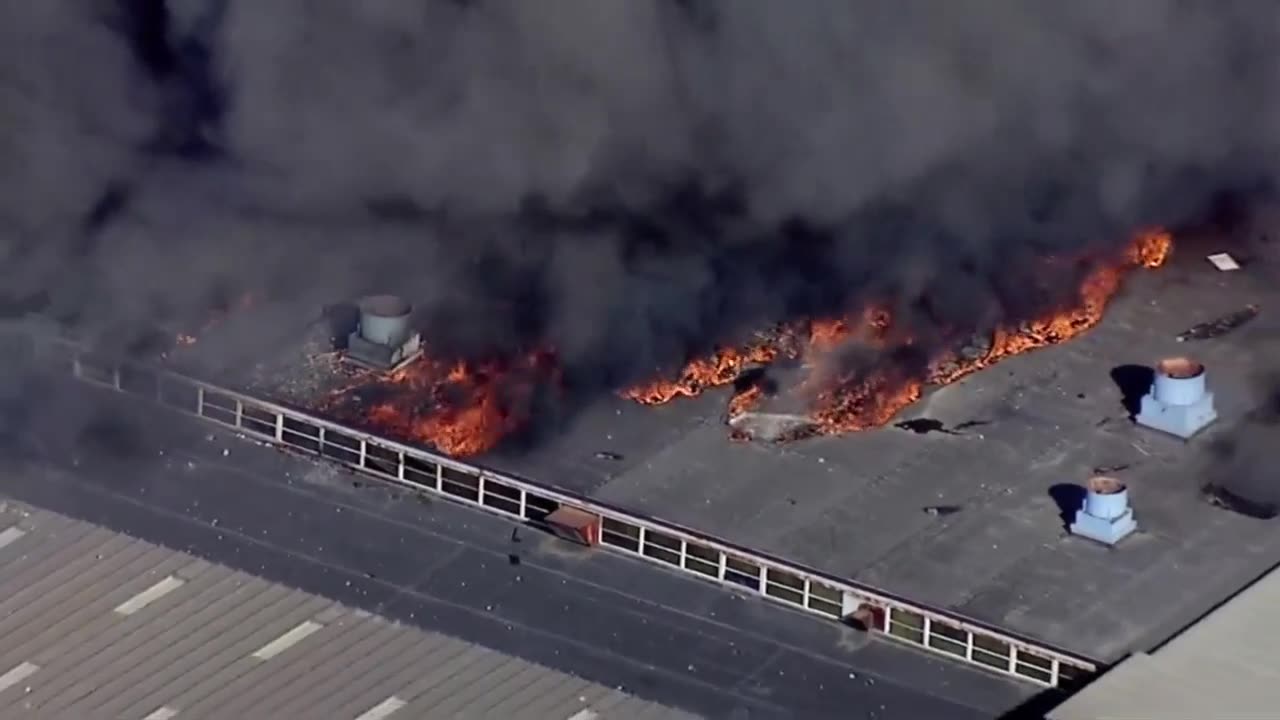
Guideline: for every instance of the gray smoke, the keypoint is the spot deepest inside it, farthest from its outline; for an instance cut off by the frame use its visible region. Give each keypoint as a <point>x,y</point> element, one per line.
<point>624,180</point>
<point>1240,473</point>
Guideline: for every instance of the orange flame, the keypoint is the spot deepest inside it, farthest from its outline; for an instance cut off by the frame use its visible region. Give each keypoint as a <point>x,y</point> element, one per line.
<point>722,368</point>
<point>827,334</point>
<point>1149,250</point>
<point>459,408</point>
<point>872,398</point>
<point>790,341</point>
<point>744,401</point>
<point>464,409</point>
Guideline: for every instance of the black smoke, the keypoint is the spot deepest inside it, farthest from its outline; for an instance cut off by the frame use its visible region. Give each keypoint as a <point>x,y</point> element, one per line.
<point>1241,475</point>
<point>627,181</point>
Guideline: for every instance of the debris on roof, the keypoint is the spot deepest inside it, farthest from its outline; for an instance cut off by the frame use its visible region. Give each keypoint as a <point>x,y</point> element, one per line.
<point>1220,326</point>
<point>1223,261</point>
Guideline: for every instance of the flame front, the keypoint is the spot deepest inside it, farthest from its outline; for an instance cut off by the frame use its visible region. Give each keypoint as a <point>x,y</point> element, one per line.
<point>467,408</point>
<point>459,408</point>
<point>723,367</point>
<point>726,365</point>
<point>871,397</point>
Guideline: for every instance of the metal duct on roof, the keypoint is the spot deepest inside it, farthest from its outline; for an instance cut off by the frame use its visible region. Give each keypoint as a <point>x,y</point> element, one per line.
<point>1179,402</point>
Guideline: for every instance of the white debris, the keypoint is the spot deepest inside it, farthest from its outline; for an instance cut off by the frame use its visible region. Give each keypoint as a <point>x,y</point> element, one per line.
<point>1223,261</point>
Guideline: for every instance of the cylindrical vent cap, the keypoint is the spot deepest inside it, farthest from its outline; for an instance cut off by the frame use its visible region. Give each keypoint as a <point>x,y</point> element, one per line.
<point>1179,381</point>
<point>1106,498</point>
<point>384,319</point>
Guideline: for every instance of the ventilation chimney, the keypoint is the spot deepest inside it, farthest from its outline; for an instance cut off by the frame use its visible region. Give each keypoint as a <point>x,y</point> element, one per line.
<point>1178,402</point>
<point>384,339</point>
<point>1105,515</point>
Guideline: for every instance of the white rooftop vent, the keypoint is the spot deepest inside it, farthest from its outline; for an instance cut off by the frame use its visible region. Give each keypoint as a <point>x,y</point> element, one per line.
<point>384,340</point>
<point>1178,402</point>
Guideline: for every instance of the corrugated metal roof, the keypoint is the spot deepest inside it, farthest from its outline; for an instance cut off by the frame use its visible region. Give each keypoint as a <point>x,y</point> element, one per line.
<point>95,624</point>
<point>1224,666</point>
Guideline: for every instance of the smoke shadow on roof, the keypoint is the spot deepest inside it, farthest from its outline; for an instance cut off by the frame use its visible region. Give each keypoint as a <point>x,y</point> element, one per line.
<point>1241,471</point>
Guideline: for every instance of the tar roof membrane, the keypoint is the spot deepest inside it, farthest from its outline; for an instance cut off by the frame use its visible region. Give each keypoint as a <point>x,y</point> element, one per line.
<point>855,506</point>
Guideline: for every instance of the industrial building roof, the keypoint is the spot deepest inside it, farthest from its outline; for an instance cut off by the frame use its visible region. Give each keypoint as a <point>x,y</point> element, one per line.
<point>1224,666</point>
<point>453,571</point>
<point>1038,425</point>
<point>1032,429</point>
<point>96,624</point>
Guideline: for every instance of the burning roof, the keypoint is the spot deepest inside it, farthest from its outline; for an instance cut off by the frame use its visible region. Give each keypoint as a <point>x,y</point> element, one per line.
<point>857,372</point>
<point>869,394</point>
<point>459,408</point>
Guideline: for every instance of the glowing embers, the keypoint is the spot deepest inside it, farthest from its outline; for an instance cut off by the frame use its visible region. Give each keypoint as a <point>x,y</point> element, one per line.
<point>861,371</point>
<point>459,408</point>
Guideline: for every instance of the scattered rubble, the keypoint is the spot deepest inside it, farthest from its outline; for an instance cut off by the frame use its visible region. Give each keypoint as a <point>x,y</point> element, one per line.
<point>1219,326</point>
<point>770,427</point>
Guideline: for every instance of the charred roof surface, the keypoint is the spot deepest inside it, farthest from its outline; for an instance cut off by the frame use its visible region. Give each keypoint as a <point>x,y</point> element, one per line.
<point>1004,452</point>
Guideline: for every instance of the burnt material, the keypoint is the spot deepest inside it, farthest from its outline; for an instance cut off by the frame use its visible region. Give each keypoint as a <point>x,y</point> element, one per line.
<point>1220,326</point>
<point>1219,496</point>
<point>923,426</point>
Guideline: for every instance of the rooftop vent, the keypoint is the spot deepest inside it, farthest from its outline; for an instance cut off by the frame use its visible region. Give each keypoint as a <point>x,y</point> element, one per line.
<point>1178,402</point>
<point>384,339</point>
<point>1105,515</point>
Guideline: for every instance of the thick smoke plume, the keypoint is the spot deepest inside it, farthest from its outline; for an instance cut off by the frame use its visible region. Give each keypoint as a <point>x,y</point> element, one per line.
<point>1241,472</point>
<point>627,181</point>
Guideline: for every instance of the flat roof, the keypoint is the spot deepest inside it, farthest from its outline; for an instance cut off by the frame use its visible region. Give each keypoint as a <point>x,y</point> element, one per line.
<point>1225,665</point>
<point>100,624</point>
<point>443,568</point>
<point>856,506</point>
